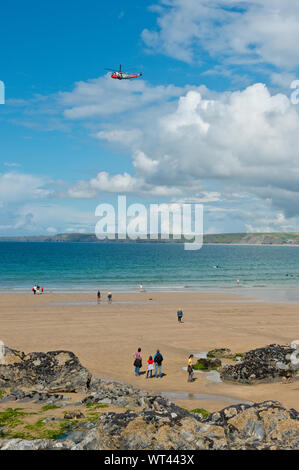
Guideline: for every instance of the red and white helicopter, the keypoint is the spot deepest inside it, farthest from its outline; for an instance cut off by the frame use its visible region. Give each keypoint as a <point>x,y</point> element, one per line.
<point>120,75</point>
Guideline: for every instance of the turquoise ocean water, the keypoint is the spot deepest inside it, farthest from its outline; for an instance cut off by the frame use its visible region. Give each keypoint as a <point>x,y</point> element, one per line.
<point>122,266</point>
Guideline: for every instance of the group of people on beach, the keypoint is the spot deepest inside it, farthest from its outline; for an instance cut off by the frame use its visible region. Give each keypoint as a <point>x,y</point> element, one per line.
<point>109,297</point>
<point>37,290</point>
<point>152,363</point>
<point>155,364</point>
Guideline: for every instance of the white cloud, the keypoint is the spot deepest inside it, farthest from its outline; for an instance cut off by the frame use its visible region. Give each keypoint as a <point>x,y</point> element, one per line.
<point>123,183</point>
<point>52,230</point>
<point>203,197</point>
<point>144,164</point>
<point>243,142</point>
<point>249,137</point>
<point>269,223</point>
<point>106,97</point>
<point>124,137</point>
<point>53,218</point>
<point>243,31</point>
<point>119,183</point>
<point>16,187</point>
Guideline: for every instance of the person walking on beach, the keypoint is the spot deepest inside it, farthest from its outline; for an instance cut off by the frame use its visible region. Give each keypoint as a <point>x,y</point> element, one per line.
<point>138,361</point>
<point>99,296</point>
<point>109,297</point>
<point>158,359</point>
<point>190,368</point>
<point>180,315</point>
<point>150,367</point>
<point>140,287</point>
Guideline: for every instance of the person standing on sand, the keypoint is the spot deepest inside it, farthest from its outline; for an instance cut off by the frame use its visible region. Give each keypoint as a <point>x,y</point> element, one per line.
<point>190,369</point>
<point>180,315</point>
<point>99,296</point>
<point>150,367</point>
<point>109,297</point>
<point>138,361</point>
<point>141,287</point>
<point>158,359</point>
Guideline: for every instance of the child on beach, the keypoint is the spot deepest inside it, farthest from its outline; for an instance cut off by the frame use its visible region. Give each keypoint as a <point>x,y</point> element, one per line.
<point>99,296</point>
<point>109,297</point>
<point>150,367</point>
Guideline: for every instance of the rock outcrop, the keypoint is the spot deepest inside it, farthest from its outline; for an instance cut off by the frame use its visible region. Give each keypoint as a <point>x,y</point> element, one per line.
<point>261,426</point>
<point>266,364</point>
<point>164,426</point>
<point>115,393</point>
<point>147,421</point>
<point>54,371</point>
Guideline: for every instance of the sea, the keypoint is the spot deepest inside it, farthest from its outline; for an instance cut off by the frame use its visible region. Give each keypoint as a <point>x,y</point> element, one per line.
<point>121,267</point>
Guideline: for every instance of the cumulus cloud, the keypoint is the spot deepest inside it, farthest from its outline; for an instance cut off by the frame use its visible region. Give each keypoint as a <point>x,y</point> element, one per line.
<point>244,141</point>
<point>121,184</point>
<point>185,143</point>
<point>15,187</point>
<point>243,31</point>
<point>50,218</point>
<point>105,97</point>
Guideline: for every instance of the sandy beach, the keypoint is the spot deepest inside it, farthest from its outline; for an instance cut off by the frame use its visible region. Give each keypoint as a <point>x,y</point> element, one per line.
<point>105,337</point>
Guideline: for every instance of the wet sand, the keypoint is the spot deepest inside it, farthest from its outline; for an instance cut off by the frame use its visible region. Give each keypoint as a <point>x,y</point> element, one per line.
<point>106,336</point>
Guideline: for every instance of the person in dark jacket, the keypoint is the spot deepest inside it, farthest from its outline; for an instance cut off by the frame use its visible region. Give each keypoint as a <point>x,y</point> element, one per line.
<point>180,315</point>
<point>158,359</point>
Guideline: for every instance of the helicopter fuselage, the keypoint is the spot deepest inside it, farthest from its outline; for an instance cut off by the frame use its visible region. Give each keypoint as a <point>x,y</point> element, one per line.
<point>124,75</point>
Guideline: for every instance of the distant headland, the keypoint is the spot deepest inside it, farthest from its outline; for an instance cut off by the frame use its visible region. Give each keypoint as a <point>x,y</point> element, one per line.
<point>278,238</point>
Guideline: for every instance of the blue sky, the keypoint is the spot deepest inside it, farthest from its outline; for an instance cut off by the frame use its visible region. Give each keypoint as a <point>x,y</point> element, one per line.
<point>211,120</point>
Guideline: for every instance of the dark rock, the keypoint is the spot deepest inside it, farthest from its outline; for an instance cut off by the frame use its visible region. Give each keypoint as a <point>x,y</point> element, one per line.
<point>259,426</point>
<point>261,365</point>
<point>54,371</point>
